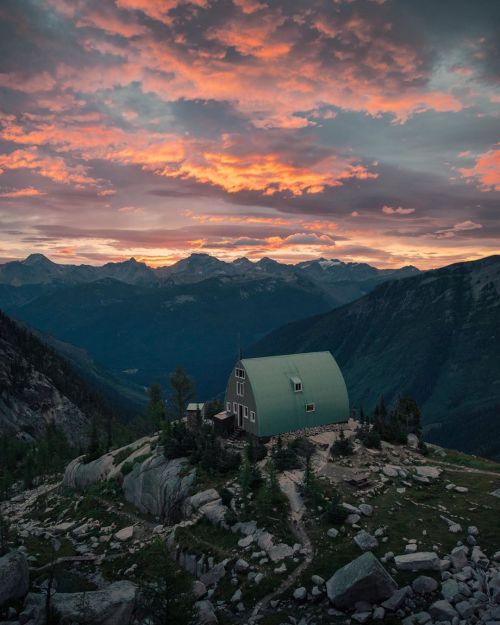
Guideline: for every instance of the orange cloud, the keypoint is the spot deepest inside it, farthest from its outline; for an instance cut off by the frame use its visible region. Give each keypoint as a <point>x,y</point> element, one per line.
<point>486,170</point>
<point>54,168</point>
<point>26,192</point>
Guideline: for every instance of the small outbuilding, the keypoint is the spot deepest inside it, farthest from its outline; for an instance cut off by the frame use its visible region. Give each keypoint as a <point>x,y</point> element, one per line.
<point>279,394</point>
<point>195,412</point>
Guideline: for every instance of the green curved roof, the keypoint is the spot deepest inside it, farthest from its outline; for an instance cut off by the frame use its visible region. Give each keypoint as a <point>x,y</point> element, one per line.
<point>279,408</point>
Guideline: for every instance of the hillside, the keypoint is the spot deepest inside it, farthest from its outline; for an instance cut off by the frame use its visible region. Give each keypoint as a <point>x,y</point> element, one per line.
<point>141,333</point>
<point>434,335</point>
<point>145,538</point>
<point>38,388</point>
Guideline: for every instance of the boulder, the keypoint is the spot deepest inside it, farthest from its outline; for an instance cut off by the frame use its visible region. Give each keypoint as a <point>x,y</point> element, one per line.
<point>424,584</point>
<point>428,471</point>
<point>420,561</point>
<point>14,577</point>
<point>80,474</point>
<point>366,509</point>
<point>365,541</point>
<point>206,613</point>
<point>215,512</point>
<point>280,552</point>
<point>246,541</point>
<point>158,486</point>
<point>442,610</point>
<point>458,557</point>
<point>412,441</point>
<point>199,589</point>
<point>125,534</point>
<point>364,578</point>
<point>300,594</point>
<point>113,605</point>
<point>397,599</point>
<point>332,533</point>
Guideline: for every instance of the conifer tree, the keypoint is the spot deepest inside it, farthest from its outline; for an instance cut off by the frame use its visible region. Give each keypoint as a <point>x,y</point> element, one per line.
<point>156,407</point>
<point>182,392</point>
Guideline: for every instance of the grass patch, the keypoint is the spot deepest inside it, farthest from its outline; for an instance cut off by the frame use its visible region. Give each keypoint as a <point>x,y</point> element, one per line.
<point>465,460</point>
<point>206,538</point>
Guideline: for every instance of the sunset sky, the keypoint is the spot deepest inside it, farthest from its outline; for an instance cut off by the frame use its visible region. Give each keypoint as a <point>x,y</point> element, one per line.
<point>365,130</point>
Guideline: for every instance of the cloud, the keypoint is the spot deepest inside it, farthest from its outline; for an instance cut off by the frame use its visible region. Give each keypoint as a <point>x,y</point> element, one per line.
<point>51,167</point>
<point>486,170</point>
<point>389,210</point>
<point>459,228</point>
<point>16,193</point>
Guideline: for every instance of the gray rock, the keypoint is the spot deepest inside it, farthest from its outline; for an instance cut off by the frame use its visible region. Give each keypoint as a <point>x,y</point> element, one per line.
<point>472,530</point>
<point>300,594</point>
<point>365,541</point>
<point>458,557</point>
<point>412,441</point>
<point>364,578</point>
<point>213,576</point>
<point>280,552</point>
<point>241,566</point>
<point>420,561</point>
<point>332,533</point>
<point>366,509</point>
<point>199,589</point>
<point>157,486</point>
<point>424,584</point>
<point>113,605</point>
<point>396,600</point>
<point>236,598</point>
<point>317,580</point>
<point>465,609</point>
<point>442,610</point>
<point>245,541</point>
<point>352,519</point>
<point>378,613</point>
<point>362,617</point>
<point>206,613</point>
<point>14,576</point>
<point>428,471</point>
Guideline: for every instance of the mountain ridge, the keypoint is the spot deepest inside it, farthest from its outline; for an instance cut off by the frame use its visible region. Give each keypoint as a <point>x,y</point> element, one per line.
<point>435,336</point>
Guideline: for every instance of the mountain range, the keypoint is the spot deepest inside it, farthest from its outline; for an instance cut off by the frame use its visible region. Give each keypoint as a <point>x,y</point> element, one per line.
<point>139,323</point>
<point>435,336</point>
<point>341,282</point>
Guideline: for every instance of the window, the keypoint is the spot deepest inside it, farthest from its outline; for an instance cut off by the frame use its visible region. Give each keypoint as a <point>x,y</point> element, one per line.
<point>240,389</point>
<point>240,373</point>
<point>235,408</point>
<point>252,416</point>
<point>245,412</point>
<point>297,387</point>
<point>310,407</point>
<point>228,407</point>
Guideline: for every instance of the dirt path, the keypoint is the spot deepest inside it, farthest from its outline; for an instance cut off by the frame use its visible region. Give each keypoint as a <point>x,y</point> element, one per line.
<point>288,482</point>
<point>461,469</point>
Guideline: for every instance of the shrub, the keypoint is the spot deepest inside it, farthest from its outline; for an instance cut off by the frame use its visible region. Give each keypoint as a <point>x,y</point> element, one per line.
<point>342,446</point>
<point>335,512</point>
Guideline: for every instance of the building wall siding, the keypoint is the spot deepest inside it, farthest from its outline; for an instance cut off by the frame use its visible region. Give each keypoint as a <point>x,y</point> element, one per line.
<point>248,399</point>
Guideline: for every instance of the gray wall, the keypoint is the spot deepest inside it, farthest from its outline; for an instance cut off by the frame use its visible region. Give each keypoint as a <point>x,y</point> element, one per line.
<point>246,400</point>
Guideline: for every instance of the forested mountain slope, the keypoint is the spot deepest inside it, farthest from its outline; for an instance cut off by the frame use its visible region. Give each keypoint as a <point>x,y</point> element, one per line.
<point>435,336</point>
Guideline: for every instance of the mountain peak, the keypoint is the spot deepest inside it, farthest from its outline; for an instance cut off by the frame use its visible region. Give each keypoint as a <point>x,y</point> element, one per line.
<point>37,259</point>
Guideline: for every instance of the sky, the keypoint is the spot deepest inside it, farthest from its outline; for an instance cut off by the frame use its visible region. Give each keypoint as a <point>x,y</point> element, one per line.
<point>364,130</point>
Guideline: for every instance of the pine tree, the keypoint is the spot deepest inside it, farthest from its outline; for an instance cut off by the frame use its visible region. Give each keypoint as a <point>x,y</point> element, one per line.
<point>156,407</point>
<point>93,448</point>
<point>182,392</point>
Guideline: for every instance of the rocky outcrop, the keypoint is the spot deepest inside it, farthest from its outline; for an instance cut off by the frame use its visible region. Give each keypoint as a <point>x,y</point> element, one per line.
<point>113,605</point>
<point>30,399</point>
<point>159,486</point>
<point>363,579</point>
<point>80,475</point>
<point>154,485</point>
<point>14,577</point>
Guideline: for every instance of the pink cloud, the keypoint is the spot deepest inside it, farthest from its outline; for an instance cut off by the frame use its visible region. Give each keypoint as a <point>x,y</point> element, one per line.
<point>486,170</point>
<point>399,210</point>
<point>16,193</point>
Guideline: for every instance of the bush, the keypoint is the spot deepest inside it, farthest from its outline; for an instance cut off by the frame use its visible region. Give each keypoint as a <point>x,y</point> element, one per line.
<point>369,436</point>
<point>285,458</point>
<point>342,446</point>
<point>303,447</point>
<point>335,512</point>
